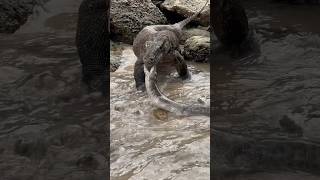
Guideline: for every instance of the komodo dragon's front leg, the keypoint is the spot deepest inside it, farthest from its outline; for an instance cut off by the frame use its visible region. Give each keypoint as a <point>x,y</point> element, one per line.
<point>139,75</point>
<point>181,65</point>
<point>179,62</point>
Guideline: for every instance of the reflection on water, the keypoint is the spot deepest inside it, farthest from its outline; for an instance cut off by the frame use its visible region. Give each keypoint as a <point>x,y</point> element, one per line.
<point>50,127</point>
<point>143,146</point>
<point>267,114</point>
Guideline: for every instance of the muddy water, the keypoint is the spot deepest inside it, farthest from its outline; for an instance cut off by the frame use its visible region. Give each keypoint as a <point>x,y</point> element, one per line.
<point>50,127</point>
<point>168,147</point>
<point>267,109</point>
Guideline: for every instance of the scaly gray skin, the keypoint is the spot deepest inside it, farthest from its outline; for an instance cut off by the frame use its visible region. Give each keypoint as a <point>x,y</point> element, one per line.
<point>160,43</point>
<point>157,45</point>
<point>163,102</point>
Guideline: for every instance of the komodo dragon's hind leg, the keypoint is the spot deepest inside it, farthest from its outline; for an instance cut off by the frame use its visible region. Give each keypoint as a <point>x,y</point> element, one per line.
<point>139,75</point>
<point>181,66</point>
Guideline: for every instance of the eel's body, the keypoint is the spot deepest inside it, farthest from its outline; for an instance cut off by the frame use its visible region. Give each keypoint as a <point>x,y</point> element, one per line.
<point>165,103</point>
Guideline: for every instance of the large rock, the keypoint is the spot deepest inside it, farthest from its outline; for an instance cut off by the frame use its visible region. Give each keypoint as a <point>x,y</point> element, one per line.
<point>198,31</point>
<point>197,48</point>
<point>14,13</point>
<point>128,17</point>
<point>187,8</point>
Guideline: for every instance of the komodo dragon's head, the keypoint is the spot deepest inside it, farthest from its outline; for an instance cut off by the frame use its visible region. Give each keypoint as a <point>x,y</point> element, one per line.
<point>158,48</point>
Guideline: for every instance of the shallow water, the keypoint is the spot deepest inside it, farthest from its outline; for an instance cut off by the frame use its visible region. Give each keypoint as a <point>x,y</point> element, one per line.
<point>143,146</point>
<point>267,108</point>
<point>50,127</point>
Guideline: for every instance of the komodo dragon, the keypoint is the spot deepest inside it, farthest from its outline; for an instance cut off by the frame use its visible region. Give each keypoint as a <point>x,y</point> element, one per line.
<point>158,45</point>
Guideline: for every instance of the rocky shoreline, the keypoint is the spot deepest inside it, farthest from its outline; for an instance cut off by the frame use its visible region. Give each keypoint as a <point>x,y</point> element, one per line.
<point>125,22</point>
<point>128,18</point>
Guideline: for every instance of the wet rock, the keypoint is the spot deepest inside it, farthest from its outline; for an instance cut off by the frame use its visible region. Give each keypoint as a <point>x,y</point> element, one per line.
<point>197,48</point>
<point>187,8</point>
<point>114,64</point>
<point>127,18</point>
<point>201,101</point>
<point>199,31</point>
<point>119,108</point>
<point>160,114</point>
<point>14,13</point>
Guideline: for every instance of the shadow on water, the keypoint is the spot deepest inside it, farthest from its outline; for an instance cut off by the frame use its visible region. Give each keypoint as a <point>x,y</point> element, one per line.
<point>50,128</point>
<point>267,109</point>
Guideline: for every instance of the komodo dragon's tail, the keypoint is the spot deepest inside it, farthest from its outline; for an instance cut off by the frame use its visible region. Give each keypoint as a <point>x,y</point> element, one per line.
<point>184,22</point>
<point>163,102</point>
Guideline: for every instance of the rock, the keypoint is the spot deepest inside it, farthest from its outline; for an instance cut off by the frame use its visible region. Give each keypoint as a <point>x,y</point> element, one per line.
<point>119,108</point>
<point>197,48</point>
<point>188,33</point>
<point>14,13</point>
<point>160,114</point>
<point>201,101</point>
<point>114,64</point>
<point>187,8</point>
<point>127,18</point>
